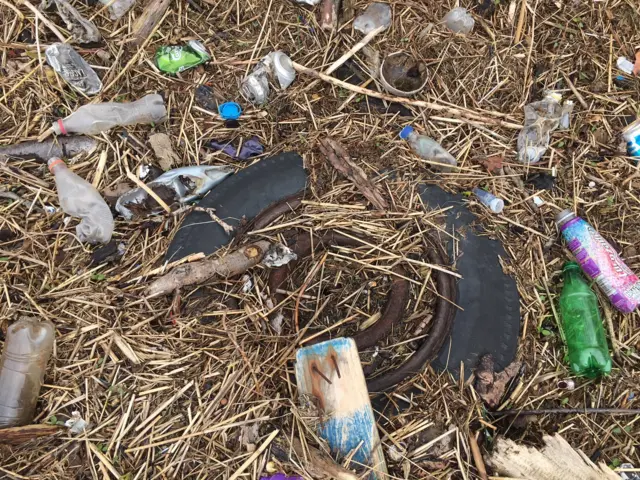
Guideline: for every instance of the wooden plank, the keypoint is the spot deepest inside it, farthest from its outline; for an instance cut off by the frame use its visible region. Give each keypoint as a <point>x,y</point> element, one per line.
<point>331,373</point>
<point>17,435</point>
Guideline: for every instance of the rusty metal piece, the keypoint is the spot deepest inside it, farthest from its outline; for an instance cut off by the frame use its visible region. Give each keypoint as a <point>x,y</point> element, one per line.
<point>319,372</point>
<point>441,326</point>
<point>334,360</point>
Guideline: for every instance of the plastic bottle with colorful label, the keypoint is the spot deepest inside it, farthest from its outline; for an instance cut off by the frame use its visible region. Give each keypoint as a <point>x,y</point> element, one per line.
<point>599,260</point>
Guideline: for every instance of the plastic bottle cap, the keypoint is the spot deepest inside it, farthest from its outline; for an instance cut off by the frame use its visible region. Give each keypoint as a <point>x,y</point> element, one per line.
<point>230,111</point>
<point>496,205</point>
<point>405,132</point>
<point>560,217</point>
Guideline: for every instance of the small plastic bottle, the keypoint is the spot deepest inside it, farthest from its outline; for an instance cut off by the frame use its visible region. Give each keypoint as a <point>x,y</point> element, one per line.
<point>427,148</point>
<point>582,326</point>
<point>540,119</point>
<point>495,204</point>
<point>27,350</point>
<point>117,8</point>
<point>79,198</point>
<point>94,118</point>
<point>600,261</point>
<point>459,20</point>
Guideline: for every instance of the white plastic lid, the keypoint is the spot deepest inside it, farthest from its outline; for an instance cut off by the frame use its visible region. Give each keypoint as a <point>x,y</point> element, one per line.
<point>496,205</point>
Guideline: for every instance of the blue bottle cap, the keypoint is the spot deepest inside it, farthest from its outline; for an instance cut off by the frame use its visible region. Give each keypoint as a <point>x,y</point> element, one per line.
<point>230,111</point>
<point>405,132</point>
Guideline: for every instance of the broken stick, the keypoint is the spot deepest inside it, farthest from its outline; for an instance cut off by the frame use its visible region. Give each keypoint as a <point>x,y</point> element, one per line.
<point>234,263</point>
<point>332,373</point>
<point>18,435</point>
<point>153,13</point>
<point>339,158</point>
<point>470,117</point>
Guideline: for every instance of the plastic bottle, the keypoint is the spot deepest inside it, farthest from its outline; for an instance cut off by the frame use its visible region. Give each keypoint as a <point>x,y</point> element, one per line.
<point>582,326</point>
<point>100,117</point>
<point>600,261</point>
<point>540,119</point>
<point>27,350</point>
<point>374,16</point>
<point>117,8</point>
<point>495,204</point>
<point>79,198</point>
<point>73,69</point>
<point>427,148</point>
<point>625,65</point>
<point>459,20</point>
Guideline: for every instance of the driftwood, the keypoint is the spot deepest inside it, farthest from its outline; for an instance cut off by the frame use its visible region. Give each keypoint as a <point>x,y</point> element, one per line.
<point>331,373</point>
<point>557,460</point>
<point>17,435</point>
<point>153,12</point>
<point>339,158</point>
<point>234,263</point>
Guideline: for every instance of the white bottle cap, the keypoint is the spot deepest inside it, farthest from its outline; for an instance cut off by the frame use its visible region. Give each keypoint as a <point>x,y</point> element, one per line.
<point>496,205</point>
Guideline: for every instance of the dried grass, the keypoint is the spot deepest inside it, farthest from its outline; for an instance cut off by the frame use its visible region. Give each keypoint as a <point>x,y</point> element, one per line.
<point>168,384</point>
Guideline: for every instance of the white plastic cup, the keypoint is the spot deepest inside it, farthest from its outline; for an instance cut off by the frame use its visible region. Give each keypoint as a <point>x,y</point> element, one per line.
<point>495,204</point>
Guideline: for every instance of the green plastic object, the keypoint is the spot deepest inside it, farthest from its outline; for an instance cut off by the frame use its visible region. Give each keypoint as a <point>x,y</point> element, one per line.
<point>178,59</point>
<point>583,329</point>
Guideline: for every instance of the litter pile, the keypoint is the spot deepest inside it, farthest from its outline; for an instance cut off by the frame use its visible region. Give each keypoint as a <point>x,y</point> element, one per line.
<point>285,239</point>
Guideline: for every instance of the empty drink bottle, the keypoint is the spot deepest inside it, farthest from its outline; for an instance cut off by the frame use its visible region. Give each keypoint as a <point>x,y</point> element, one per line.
<point>79,198</point>
<point>582,326</point>
<point>99,117</point>
<point>600,261</point>
<point>27,350</point>
<point>427,148</point>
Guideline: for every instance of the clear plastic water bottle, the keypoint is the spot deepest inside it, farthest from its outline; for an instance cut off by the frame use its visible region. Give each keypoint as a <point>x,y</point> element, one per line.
<point>540,119</point>
<point>79,198</point>
<point>27,350</point>
<point>100,117</point>
<point>427,148</point>
<point>459,20</point>
<point>493,203</point>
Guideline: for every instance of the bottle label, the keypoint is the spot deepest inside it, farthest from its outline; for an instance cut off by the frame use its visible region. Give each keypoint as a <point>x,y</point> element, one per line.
<point>601,262</point>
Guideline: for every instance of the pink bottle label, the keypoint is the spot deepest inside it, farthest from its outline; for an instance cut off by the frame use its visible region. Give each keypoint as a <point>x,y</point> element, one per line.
<point>601,262</point>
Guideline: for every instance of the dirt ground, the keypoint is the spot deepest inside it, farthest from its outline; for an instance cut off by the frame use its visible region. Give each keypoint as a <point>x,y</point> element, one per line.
<point>184,386</point>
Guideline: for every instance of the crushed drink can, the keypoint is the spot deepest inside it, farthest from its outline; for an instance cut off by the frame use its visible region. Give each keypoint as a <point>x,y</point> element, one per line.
<point>632,135</point>
<point>176,59</point>
<point>73,68</point>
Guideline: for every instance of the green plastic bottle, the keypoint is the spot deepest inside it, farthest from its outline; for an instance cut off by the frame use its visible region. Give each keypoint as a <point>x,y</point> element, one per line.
<point>583,330</point>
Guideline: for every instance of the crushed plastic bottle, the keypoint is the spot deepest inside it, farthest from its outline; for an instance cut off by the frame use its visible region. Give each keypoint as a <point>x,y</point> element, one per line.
<point>374,16</point>
<point>73,68</point>
<point>540,119</point>
<point>427,148</point>
<point>459,20</point>
<point>83,30</point>
<point>118,8</point>
<point>625,65</point>
<point>582,326</point>
<point>600,261</point>
<point>27,350</point>
<point>276,66</point>
<point>176,59</point>
<point>100,117</point>
<point>489,200</point>
<point>79,198</point>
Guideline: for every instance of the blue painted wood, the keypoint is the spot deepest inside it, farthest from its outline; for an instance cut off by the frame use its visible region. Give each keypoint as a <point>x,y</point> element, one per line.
<point>331,372</point>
